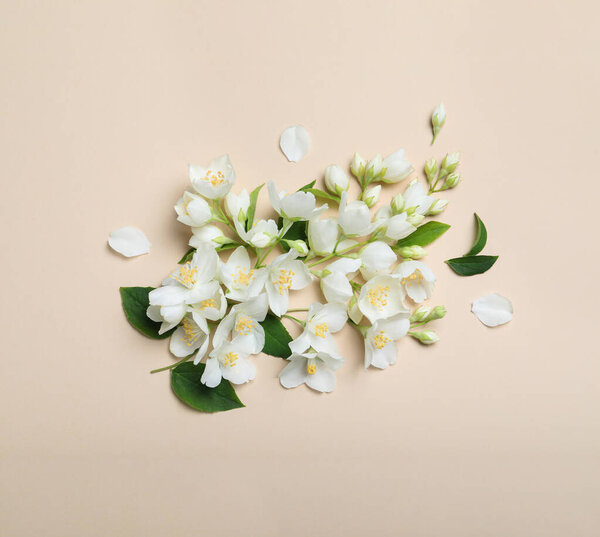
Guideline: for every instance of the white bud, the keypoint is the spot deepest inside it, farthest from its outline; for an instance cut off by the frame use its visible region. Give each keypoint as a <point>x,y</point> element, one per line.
<point>451,181</point>
<point>358,166</point>
<point>336,180</point>
<point>415,219</point>
<point>353,311</point>
<point>371,195</point>
<point>427,337</point>
<point>412,252</point>
<point>398,203</point>
<point>420,314</point>
<point>208,234</point>
<point>374,169</point>
<point>431,169</point>
<point>298,245</point>
<point>450,162</point>
<point>438,118</point>
<point>437,207</point>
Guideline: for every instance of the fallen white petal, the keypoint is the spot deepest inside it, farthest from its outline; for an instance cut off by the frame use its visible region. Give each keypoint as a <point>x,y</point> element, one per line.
<point>493,309</point>
<point>294,142</point>
<point>129,241</point>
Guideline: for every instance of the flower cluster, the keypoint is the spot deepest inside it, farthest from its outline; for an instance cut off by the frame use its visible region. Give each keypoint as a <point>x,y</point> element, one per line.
<point>241,270</point>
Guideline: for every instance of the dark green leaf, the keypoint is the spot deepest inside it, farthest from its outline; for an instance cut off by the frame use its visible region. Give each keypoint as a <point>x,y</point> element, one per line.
<point>471,265</point>
<point>424,234</point>
<point>307,186</point>
<point>277,338</point>
<point>480,237</point>
<point>185,381</point>
<point>227,246</point>
<point>252,207</point>
<point>322,194</point>
<point>135,303</point>
<point>297,231</point>
<point>187,256</point>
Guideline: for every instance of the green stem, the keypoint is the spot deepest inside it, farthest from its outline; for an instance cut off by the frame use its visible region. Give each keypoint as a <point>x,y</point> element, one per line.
<point>282,233</point>
<point>334,254</point>
<point>185,359</point>
<point>298,309</point>
<point>293,319</point>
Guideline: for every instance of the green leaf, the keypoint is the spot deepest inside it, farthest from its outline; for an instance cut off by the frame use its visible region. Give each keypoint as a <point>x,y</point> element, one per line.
<point>277,338</point>
<point>297,231</point>
<point>471,265</point>
<point>187,256</point>
<point>480,237</point>
<point>185,381</point>
<point>227,246</point>
<point>307,186</point>
<point>252,207</point>
<point>135,303</point>
<point>322,194</point>
<point>424,234</point>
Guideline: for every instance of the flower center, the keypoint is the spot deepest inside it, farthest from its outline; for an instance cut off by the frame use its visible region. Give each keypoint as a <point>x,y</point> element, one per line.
<point>208,303</point>
<point>187,275</point>
<point>230,359</point>
<point>190,333</point>
<point>285,280</point>
<point>416,277</point>
<point>244,326</point>
<point>378,296</point>
<point>380,340</point>
<point>311,369</point>
<point>244,276</point>
<point>321,330</point>
<point>214,178</point>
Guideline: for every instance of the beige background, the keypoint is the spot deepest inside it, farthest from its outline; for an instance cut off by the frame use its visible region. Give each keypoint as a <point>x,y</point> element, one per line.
<point>489,433</point>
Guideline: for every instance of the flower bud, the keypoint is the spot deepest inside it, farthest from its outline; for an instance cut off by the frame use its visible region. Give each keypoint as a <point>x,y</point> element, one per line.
<point>336,180</point>
<point>451,181</point>
<point>371,195</point>
<point>450,162</point>
<point>208,234</point>
<point>398,203</point>
<point>354,312</point>
<point>358,166</point>
<point>415,219</point>
<point>298,245</point>
<point>438,118</point>
<point>437,207</point>
<point>431,169</point>
<point>374,169</point>
<point>436,313</point>
<point>412,252</point>
<point>427,337</point>
<point>420,314</point>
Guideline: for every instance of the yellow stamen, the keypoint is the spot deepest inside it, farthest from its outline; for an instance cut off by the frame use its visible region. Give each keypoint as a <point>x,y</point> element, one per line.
<point>285,280</point>
<point>244,276</point>
<point>187,275</point>
<point>380,340</point>
<point>321,330</point>
<point>244,326</point>
<point>230,359</point>
<point>190,334</point>
<point>378,296</point>
<point>415,277</point>
<point>311,369</point>
<point>214,178</point>
<point>208,303</point>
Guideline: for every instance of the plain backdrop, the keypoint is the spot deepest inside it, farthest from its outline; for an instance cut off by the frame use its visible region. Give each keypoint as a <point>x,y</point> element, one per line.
<point>491,432</point>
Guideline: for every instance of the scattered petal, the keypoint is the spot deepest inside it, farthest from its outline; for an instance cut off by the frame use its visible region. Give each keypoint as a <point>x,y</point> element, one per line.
<point>294,142</point>
<point>493,309</point>
<point>129,241</point>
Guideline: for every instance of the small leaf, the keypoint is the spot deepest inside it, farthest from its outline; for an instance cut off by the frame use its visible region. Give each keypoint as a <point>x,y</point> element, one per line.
<point>471,265</point>
<point>187,256</point>
<point>277,338</point>
<point>307,187</point>
<point>185,381</point>
<point>322,194</point>
<point>227,246</point>
<point>252,207</point>
<point>297,231</point>
<point>135,303</point>
<point>424,234</point>
<point>480,237</point>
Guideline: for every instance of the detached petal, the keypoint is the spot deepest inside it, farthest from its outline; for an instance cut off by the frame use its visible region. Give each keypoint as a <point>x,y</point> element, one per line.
<point>294,142</point>
<point>493,309</point>
<point>129,241</point>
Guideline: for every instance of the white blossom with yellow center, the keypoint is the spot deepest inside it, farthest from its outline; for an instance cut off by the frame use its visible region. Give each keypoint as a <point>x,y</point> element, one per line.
<point>229,361</point>
<point>315,369</point>
<point>382,297</point>
<point>417,279</point>
<point>188,338</point>
<point>242,281</point>
<point>285,273</point>
<point>322,321</point>
<point>214,181</point>
<point>380,346</point>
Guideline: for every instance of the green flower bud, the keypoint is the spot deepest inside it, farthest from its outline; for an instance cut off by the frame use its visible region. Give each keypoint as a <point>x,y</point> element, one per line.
<point>431,170</point>
<point>398,203</point>
<point>420,314</point>
<point>427,337</point>
<point>298,245</point>
<point>415,219</point>
<point>438,119</point>
<point>451,181</point>
<point>374,169</point>
<point>412,252</point>
<point>336,180</point>
<point>371,195</point>
<point>358,166</point>
<point>222,240</point>
<point>450,162</point>
<point>437,313</point>
<point>437,207</point>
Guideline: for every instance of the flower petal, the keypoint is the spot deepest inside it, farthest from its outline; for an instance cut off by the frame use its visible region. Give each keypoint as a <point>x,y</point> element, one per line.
<point>129,241</point>
<point>493,309</point>
<point>294,142</point>
<point>294,373</point>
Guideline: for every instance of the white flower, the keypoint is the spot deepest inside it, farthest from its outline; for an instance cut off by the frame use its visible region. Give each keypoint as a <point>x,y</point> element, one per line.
<point>208,306</point>
<point>193,210</point>
<point>376,258</point>
<point>294,142</point>
<point>216,180</point>
<point>242,281</point>
<point>417,279</point>
<point>207,235</point>
<point>322,235</point>
<point>262,233</point>
<point>336,286</point>
<point>397,168</point>
<point>493,309</point>
<point>371,195</point>
<point>129,241</point>
<point>188,338</point>
<point>380,349</point>
<point>316,370</point>
<point>382,297</point>
<point>237,205</point>
<point>285,273</point>
<point>374,169</point>
<point>397,227</point>
<point>243,322</point>
<point>296,205</point>
<point>322,321</point>
<point>229,361</point>
<point>336,180</point>
<point>415,196</point>
<point>354,218</point>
